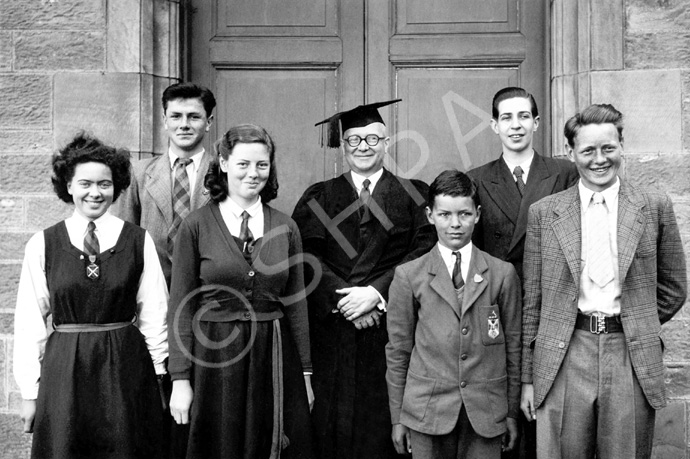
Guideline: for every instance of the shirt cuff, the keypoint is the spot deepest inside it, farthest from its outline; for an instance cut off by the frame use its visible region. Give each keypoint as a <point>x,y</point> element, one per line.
<point>308,373</point>
<point>160,368</point>
<point>381,306</point>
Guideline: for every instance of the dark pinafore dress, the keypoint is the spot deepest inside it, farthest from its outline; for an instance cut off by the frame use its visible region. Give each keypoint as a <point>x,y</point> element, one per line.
<point>98,396</point>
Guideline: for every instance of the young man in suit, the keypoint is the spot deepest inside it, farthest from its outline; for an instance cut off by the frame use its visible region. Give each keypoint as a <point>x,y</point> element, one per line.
<point>604,268</point>
<point>517,179</point>
<point>359,226</point>
<point>167,187</point>
<point>454,320</point>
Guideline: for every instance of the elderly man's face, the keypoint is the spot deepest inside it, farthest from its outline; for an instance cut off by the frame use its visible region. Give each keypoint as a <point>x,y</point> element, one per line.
<point>365,159</point>
<point>597,153</point>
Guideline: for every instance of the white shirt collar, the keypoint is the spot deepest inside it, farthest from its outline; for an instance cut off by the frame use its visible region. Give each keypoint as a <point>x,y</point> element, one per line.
<point>81,222</point>
<point>525,163</point>
<point>358,179</point>
<point>610,194</point>
<point>236,209</point>
<point>449,259</point>
<point>196,158</point>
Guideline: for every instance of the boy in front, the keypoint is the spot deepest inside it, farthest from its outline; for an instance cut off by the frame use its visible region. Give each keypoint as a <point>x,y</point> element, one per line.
<point>453,355</point>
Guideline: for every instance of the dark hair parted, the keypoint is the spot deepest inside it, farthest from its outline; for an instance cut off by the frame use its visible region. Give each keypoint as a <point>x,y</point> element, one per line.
<point>216,180</point>
<point>87,149</point>
<point>594,114</point>
<point>190,91</point>
<point>453,183</point>
<point>511,93</point>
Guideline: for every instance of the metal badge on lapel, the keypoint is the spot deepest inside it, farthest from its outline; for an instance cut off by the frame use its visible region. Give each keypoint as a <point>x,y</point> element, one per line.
<point>92,269</point>
<point>493,325</point>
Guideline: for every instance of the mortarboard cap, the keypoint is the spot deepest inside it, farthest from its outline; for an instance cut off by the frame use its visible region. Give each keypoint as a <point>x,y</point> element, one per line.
<point>360,116</point>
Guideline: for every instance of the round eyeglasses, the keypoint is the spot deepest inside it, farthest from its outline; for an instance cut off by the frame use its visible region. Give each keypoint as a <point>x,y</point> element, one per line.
<point>372,140</point>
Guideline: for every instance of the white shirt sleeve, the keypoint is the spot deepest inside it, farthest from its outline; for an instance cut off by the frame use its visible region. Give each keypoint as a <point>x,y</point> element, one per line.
<point>31,311</point>
<point>152,306</point>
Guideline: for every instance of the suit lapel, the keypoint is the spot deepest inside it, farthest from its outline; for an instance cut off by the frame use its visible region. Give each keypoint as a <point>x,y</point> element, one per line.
<point>567,227</point>
<point>630,228</point>
<point>540,183</point>
<point>200,195</point>
<point>441,282</point>
<point>476,279</point>
<point>159,186</point>
<point>503,191</point>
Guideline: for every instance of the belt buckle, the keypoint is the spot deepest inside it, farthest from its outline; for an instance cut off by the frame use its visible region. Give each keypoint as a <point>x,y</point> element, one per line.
<point>597,324</point>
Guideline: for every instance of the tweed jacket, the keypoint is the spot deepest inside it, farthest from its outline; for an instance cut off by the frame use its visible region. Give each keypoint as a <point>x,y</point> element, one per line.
<point>148,200</point>
<point>441,354</point>
<point>501,230</point>
<point>652,274</point>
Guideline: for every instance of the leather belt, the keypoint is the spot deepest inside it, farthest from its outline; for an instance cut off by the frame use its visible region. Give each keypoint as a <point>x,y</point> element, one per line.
<point>90,328</point>
<point>599,324</point>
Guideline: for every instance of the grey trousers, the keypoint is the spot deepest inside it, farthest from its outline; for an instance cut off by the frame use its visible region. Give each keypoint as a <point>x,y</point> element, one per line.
<point>596,405</point>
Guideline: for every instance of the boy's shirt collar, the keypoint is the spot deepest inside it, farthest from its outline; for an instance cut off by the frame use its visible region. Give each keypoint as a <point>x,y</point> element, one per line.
<point>449,259</point>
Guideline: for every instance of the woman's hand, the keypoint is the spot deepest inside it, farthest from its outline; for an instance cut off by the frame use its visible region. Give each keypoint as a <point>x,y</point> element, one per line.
<point>181,400</point>
<point>310,391</point>
<point>28,413</point>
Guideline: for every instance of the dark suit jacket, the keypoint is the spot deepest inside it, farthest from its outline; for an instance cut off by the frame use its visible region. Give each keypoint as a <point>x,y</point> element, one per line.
<point>428,379</point>
<point>148,200</point>
<point>501,228</point>
<point>653,280</point>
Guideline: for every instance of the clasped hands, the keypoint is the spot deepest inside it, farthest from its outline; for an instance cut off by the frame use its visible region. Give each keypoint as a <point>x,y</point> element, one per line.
<point>358,305</point>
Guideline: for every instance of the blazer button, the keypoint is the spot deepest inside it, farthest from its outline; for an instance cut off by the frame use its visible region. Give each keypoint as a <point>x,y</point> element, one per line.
<point>561,345</point>
<point>250,273</point>
<point>246,316</point>
<point>463,357</point>
<point>465,331</point>
<point>463,384</point>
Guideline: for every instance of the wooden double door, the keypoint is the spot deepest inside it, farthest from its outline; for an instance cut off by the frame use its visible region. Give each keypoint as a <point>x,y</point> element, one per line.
<point>287,64</point>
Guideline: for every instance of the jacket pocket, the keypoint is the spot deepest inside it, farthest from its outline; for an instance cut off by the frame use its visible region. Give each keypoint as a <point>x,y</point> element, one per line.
<point>418,392</point>
<point>491,326</point>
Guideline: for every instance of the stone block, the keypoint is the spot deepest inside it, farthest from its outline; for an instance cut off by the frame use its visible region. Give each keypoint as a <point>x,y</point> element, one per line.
<point>125,21</point>
<point>649,100</point>
<point>669,432</point>
<point>11,213</point>
<point>12,384</point>
<point>55,50</point>
<point>29,97</point>
<point>9,273</point>
<point>15,443</point>
<point>606,41</point>
<point>667,173</point>
<point>657,50</point>
<point>678,380</point>
<point>26,141</point>
<point>165,39</point>
<point>26,174</point>
<point>5,51</point>
<point>55,15</point>
<point>42,212</point>
<point>12,245</point>
<point>674,334</point>
<point>4,375</point>
<point>652,16</point>
<point>106,105</point>
<point>686,110</point>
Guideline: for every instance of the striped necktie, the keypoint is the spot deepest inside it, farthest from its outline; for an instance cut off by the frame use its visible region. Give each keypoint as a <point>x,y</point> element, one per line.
<point>92,249</point>
<point>458,283</point>
<point>246,235</point>
<point>365,196</point>
<point>517,172</point>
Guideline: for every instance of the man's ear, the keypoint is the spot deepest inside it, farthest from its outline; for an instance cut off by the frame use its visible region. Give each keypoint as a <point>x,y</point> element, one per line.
<point>479,214</point>
<point>536,122</point>
<point>428,215</point>
<point>494,125</point>
<point>209,122</point>
<point>569,151</point>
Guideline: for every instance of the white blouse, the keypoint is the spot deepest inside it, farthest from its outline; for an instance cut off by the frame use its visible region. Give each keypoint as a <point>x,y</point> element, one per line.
<point>33,301</point>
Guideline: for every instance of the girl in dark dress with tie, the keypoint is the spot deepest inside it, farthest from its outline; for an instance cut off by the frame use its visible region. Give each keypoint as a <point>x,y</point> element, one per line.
<point>238,330</point>
<point>90,391</point>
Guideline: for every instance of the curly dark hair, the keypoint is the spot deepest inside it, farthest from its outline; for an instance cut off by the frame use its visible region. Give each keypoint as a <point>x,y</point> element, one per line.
<point>189,91</point>
<point>594,114</point>
<point>453,183</point>
<point>216,181</point>
<point>84,148</point>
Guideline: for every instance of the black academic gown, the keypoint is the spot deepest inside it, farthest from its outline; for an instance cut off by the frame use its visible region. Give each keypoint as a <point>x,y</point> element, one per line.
<point>351,415</point>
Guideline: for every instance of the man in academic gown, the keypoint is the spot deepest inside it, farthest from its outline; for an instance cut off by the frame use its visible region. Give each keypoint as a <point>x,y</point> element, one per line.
<point>359,226</point>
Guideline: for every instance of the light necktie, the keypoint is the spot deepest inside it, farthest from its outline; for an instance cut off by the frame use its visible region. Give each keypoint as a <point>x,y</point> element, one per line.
<point>458,283</point>
<point>365,196</point>
<point>92,249</point>
<point>599,259</point>
<point>518,172</point>
<point>246,235</point>
<point>181,200</point>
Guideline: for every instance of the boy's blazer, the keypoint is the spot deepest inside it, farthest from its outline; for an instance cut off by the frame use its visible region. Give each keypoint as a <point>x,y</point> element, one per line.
<point>652,272</point>
<point>440,354</point>
<point>148,200</point>
<point>501,230</point>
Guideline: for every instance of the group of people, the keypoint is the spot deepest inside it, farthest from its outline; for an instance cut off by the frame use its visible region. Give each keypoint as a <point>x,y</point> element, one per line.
<point>384,317</point>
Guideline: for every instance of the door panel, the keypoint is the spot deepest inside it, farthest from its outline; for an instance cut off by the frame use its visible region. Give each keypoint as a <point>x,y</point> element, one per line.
<point>286,64</point>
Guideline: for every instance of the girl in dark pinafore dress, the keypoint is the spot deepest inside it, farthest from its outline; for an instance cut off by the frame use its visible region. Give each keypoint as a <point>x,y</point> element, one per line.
<point>91,390</point>
<point>238,331</point>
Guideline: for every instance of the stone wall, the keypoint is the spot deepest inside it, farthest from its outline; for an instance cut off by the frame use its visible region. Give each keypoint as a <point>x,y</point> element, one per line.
<point>635,54</point>
<point>66,65</point>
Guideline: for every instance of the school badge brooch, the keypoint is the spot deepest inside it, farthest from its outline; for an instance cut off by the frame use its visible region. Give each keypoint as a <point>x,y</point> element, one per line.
<point>493,325</point>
